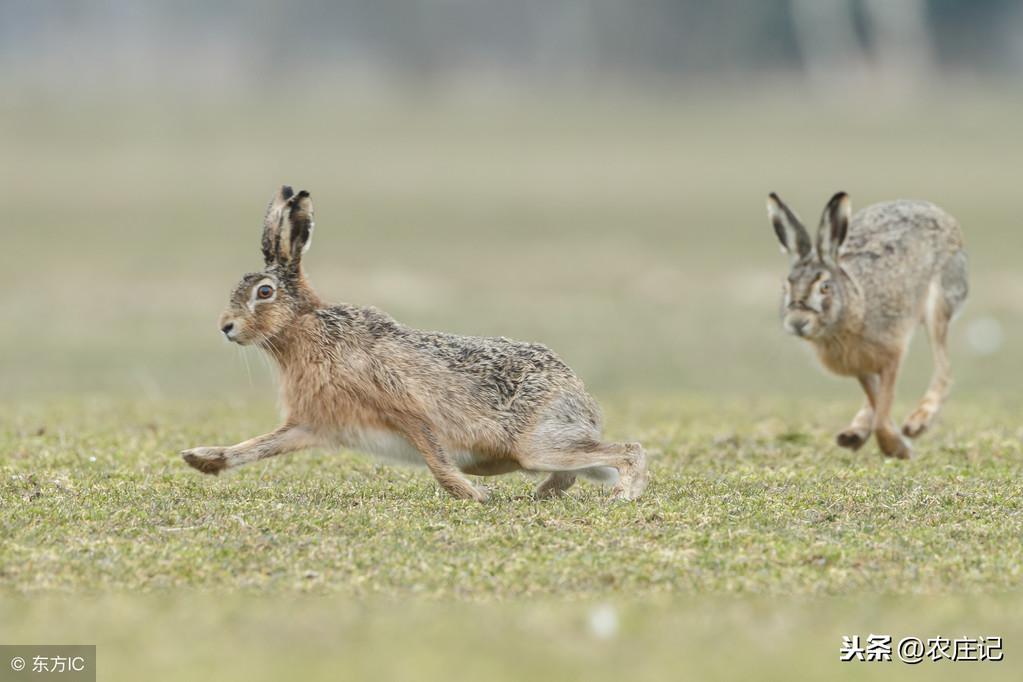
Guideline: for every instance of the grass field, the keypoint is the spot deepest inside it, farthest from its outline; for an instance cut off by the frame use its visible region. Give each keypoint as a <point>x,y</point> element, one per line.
<point>743,501</point>
<point>631,237</point>
<point>758,544</point>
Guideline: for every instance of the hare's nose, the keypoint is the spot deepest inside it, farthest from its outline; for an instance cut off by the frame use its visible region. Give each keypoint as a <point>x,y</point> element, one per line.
<point>227,328</point>
<point>799,326</point>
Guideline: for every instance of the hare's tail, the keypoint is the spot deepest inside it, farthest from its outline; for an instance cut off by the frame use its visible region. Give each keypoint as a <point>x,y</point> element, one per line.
<point>954,283</point>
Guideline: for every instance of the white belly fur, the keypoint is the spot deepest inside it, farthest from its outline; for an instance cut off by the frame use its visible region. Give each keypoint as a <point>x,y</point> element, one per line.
<point>393,447</point>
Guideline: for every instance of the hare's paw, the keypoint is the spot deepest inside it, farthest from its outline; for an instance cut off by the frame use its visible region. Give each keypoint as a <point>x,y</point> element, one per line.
<point>917,422</point>
<point>207,460</point>
<point>853,439</point>
<point>632,475</point>
<point>894,445</point>
<point>555,485</point>
<point>482,494</point>
<point>639,483</point>
<point>468,491</point>
<point>623,493</point>
<point>629,488</point>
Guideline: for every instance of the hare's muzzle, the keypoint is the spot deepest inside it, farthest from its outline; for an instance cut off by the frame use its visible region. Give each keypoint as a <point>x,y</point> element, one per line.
<point>800,324</point>
<point>230,327</point>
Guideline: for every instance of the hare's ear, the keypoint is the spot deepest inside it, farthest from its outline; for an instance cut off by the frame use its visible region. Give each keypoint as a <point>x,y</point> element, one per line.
<point>833,228</point>
<point>300,227</point>
<point>273,224</point>
<point>794,238</point>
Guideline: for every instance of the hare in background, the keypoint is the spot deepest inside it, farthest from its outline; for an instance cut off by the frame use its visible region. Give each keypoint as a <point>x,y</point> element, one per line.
<point>354,377</point>
<point>859,293</point>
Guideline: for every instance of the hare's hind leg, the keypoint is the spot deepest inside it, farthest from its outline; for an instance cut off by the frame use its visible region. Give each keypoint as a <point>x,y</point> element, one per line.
<point>862,425</point>
<point>628,458</point>
<point>936,318</point>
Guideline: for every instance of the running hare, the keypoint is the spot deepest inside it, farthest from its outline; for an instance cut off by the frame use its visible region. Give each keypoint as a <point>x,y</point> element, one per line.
<point>859,294</point>
<point>354,377</point>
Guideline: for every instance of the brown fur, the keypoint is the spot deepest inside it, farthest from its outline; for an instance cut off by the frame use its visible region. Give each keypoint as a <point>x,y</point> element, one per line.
<point>354,377</point>
<point>859,294</point>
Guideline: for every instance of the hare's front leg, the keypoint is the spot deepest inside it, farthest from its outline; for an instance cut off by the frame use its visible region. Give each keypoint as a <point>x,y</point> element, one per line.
<point>888,437</point>
<point>440,465</point>
<point>212,460</point>
<point>862,425</point>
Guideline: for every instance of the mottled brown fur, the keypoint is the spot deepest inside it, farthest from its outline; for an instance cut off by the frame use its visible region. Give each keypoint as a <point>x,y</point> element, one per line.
<point>860,293</point>
<point>353,376</point>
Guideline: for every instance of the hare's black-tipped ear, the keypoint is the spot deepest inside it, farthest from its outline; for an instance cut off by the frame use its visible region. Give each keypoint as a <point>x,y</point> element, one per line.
<point>833,228</point>
<point>794,238</point>
<point>300,226</point>
<point>273,224</point>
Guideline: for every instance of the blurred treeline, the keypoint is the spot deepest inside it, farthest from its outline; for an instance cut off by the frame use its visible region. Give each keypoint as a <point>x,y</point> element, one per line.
<point>435,44</point>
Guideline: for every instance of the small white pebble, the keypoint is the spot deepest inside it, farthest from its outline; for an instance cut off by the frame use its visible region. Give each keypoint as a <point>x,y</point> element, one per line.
<point>603,621</point>
<point>985,335</point>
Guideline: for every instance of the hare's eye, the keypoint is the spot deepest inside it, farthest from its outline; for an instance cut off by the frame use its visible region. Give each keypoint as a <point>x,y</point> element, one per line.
<point>265,291</point>
<point>825,287</point>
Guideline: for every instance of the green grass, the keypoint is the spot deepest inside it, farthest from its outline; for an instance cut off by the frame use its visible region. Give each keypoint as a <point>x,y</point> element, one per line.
<point>756,534</point>
<point>743,501</point>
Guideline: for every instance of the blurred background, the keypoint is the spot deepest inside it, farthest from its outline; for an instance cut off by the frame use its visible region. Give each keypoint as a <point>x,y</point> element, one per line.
<point>586,173</point>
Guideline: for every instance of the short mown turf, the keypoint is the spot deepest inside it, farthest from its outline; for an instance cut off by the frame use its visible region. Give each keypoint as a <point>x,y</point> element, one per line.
<point>757,546</point>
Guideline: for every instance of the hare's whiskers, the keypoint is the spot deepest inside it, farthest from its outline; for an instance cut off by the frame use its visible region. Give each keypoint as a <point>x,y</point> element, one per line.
<point>270,347</point>
<point>245,361</point>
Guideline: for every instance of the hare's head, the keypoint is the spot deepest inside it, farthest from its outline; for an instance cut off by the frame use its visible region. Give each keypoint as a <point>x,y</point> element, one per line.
<point>817,290</point>
<point>265,303</point>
